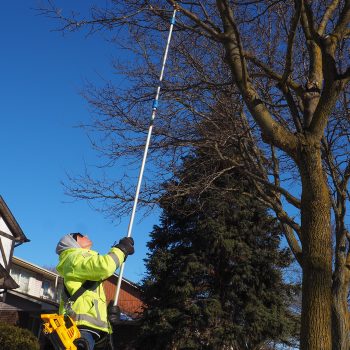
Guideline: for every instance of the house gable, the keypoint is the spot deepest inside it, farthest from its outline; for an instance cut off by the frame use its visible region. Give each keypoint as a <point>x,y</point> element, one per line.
<point>11,235</point>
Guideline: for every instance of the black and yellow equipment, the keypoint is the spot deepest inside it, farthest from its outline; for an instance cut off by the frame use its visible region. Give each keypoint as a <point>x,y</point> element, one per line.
<point>61,330</point>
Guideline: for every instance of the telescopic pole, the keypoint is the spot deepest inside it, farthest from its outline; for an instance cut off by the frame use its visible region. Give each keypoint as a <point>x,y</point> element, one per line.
<point>154,111</point>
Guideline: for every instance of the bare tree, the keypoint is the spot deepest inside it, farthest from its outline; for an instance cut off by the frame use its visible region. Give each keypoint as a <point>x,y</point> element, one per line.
<point>289,64</point>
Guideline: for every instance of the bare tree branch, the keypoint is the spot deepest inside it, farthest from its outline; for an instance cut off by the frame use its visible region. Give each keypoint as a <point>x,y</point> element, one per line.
<point>327,16</point>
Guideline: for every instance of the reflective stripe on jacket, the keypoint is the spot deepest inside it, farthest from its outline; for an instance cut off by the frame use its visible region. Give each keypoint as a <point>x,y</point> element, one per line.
<point>76,265</point>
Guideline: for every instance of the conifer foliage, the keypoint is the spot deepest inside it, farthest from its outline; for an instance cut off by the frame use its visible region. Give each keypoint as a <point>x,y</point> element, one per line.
<point>214,276</point>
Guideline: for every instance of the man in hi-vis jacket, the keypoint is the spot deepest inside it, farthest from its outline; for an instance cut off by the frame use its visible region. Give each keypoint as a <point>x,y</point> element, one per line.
<point>78,264</point>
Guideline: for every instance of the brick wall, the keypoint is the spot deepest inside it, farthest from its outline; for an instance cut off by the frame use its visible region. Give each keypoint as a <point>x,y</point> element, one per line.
<point>129,297</point>
<point>8,314</point>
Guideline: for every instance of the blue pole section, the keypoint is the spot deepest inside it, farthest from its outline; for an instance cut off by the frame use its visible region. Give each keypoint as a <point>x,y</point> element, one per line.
<point>154,111</point>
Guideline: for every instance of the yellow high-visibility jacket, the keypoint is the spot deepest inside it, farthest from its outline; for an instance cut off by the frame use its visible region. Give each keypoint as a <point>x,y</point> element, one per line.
<point>77,265</point>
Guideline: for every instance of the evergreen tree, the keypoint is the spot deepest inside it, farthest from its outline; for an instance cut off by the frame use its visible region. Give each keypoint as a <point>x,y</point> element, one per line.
<point>215,269</point>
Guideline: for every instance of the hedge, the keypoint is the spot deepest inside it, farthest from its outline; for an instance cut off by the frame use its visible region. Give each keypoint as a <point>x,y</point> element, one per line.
<point>15,338</point>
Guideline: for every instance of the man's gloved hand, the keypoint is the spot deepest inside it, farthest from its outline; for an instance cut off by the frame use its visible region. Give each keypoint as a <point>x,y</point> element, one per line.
<point>113,314</point>
<point>126,245</point>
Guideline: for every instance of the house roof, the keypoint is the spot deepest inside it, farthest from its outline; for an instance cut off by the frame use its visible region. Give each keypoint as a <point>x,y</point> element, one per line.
<point>132,284</point>
<point>11,222</point>
<point>7,307</point>
<point>36,268</point>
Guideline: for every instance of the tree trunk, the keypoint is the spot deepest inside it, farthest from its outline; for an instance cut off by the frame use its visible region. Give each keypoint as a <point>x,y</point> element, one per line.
<point>317,250</point>
<point>340,319</point>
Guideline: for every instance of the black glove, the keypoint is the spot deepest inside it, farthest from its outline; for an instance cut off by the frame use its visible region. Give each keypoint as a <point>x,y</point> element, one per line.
<point>113,314</point>
<point>126,245</point>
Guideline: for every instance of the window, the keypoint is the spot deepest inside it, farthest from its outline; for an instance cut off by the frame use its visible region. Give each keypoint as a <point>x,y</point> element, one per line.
<point>21,277</point>
<point>24,282</point>
<point>15,274</point>
<point>47,289</point>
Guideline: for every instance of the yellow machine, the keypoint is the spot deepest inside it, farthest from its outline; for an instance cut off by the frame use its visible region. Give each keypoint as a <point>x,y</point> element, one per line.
<point>61,330</point>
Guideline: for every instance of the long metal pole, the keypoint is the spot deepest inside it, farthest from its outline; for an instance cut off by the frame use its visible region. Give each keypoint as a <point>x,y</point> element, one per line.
<point>154,111</point>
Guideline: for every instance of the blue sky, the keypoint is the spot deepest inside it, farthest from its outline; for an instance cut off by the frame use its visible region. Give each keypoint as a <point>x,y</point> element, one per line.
<point>41,74</point>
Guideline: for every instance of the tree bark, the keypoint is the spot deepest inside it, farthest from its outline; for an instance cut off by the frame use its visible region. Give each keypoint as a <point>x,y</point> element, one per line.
<point>317,249</point>
<point>340,318</point>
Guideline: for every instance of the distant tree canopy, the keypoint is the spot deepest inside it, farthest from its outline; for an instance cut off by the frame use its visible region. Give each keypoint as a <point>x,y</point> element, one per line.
<point>214,272</point>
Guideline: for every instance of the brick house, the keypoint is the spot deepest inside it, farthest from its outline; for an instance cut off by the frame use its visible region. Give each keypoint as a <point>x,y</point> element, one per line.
<point>39,292</point>
<point>129,297</point>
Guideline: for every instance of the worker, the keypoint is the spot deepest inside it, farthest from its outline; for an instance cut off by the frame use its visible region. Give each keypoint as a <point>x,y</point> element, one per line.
<point>78,264</point>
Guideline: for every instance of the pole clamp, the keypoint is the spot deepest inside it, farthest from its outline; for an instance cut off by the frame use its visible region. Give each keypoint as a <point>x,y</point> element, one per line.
<point>177,6</point>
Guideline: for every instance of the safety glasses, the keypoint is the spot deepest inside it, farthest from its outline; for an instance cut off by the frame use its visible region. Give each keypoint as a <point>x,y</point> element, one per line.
<point>76,235</point>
